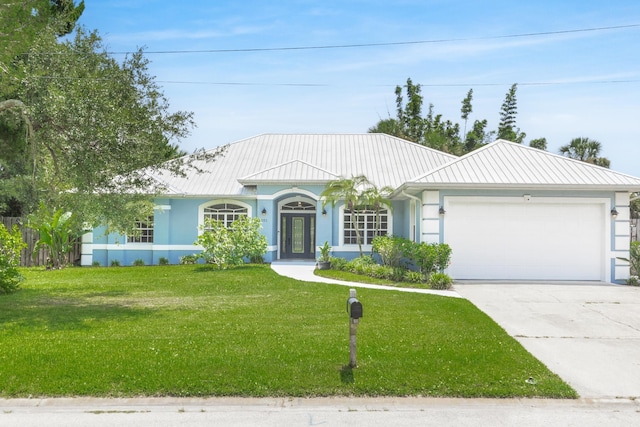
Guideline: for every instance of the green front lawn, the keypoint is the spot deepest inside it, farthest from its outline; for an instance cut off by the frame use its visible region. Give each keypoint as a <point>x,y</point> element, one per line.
<point>192,331</point>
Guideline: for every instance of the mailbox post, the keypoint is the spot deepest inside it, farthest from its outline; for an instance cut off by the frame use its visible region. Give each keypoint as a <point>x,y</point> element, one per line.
<point>354,309</point>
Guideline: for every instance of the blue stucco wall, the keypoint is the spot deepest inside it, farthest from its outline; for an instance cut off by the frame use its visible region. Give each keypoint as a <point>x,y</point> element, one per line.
<point>176,226</point>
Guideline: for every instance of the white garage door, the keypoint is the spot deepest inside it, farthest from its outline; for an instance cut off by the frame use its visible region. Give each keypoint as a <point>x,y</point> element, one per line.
<point>508,238</point>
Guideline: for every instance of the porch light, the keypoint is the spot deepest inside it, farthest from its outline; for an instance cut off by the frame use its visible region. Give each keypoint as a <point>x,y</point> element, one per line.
<point>324,212</point>
<point>441,211</point>
<point>264,211</point>
<point>614,213</point>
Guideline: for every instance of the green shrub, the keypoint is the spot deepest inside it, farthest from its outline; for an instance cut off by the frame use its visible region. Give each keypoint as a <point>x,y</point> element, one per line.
<point>414,277</point>
<point>633,281</point>
<point>228,246</point>
<point>256,259</point>
<point>11,245</point>
<point>634,258</point>
<point>440,281</point>
<point>360,265</point>
<point>163,261</point>
<point>391,249</point>
<point>138,263</point>
<point>339,264</point>
<point>95,264</point>
<point>115,263</point>
<point>57,232</point>
<point>188,259</point>
<point>431,257</point>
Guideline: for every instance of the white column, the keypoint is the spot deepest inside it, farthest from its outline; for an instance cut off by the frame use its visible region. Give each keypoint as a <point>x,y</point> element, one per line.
<point>430,216</point>
<point>86,254</point>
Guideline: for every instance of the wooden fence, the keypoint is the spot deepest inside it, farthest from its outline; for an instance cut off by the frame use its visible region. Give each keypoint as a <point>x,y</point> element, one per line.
<point>30,237</point>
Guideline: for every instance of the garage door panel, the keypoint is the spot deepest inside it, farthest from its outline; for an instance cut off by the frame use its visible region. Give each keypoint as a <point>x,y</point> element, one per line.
<point>526,241</point>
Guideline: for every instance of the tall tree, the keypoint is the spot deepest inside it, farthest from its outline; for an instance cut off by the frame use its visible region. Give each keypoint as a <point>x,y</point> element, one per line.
<point>350,191</point>
<point>441,134</point>
<point>586,150</point>
<point>409,115</point>
<point>539,143</point>
<point>388,126</point>
<point>22,24</point>
<point>377,198</point>
<point>477,136</point>
<point>507,127</point>
<point>466,109</point>
<point>95,123</point>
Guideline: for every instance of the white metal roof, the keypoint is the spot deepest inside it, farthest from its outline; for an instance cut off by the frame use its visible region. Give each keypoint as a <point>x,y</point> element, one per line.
<point>292,171</point>
<point>383,159</point>
<point>504,164</point>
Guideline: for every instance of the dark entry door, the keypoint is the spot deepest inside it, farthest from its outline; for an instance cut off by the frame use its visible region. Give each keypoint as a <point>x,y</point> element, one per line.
<point>297,233</point>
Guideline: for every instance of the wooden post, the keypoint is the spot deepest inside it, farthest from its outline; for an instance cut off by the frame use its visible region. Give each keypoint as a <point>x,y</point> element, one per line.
<point>353,329</point>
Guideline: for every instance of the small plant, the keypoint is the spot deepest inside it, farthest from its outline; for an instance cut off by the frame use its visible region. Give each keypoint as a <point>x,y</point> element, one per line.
<point>440,281</point>
<point>95,264</point>
<point>57,232</point>
<point>188,259</point>
<point>11,245</point>
<point>634,258</point>
<point>138,263</point>
<point>633,281</point>
<point>414,277</point>
<point>360,265</point>
<point>256,259</point>
<point>338,263</point>
<point>391,249</point>
<point>325,251</point>
<point>163,261</point>
<point>115,263</point>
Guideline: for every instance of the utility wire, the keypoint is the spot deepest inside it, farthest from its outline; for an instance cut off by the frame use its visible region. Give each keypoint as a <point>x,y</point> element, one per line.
<point>222,83</point>
<point>359,45</point>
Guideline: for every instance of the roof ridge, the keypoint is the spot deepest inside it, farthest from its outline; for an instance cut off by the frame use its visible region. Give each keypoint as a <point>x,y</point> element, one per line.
<point>458,159</point>
<point>279,165</point>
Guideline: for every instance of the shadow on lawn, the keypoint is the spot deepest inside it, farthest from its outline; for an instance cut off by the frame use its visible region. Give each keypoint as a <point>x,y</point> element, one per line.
<point>56,314</point>
<point>346,375</point>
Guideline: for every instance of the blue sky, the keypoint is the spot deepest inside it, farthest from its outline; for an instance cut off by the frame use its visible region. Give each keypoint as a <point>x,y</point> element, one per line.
<point>571,84</point>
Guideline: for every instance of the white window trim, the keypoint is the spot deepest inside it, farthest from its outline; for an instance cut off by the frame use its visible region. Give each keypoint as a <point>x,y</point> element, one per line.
<point>142,245</point>
<point>349,247</point>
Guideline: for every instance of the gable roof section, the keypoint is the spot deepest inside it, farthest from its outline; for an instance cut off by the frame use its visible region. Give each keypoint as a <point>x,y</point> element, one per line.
<point>504,164</point>
<point>292,171</point>
<point>383,159</point>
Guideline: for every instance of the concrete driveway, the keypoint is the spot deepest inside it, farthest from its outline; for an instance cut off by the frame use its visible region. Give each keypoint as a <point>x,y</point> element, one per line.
<point>587,333</point>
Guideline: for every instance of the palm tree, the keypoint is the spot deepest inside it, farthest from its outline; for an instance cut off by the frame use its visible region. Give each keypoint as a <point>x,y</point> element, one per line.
<point>377,198</point>
<point>586,150</point>
<point>350,190</point>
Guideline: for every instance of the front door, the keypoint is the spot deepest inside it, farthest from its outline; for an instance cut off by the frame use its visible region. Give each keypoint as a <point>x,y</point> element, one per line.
<point>297,235</point>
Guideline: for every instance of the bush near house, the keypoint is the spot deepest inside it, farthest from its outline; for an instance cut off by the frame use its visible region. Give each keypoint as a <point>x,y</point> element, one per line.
<point>229,246</point>
<point>10,246</point>
<point>400,258</point>
<point>634,263</point>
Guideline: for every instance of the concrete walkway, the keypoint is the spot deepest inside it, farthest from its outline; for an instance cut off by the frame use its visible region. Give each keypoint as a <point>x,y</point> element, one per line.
<point>339,411</point>
<point>304,271</point>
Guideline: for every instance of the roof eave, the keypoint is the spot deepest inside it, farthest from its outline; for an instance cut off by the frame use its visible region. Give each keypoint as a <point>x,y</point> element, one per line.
<point>517,186</point>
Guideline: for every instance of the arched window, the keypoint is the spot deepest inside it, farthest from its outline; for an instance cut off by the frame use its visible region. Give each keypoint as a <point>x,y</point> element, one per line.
<point>224,212</point>
<point>298,206</point>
